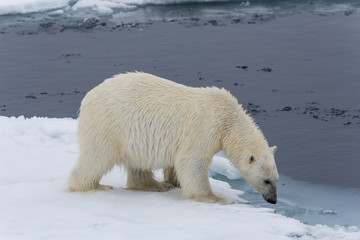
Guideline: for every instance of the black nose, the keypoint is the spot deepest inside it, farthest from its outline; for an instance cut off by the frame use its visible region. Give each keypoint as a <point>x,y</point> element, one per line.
<point>271,200</point>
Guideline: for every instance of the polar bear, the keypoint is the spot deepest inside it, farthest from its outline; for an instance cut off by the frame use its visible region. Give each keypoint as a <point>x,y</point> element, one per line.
<point>143,122</point>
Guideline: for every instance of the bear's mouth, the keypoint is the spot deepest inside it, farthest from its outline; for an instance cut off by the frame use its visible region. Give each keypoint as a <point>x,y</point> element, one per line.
<point>270,198</point>
<point>270,194</point>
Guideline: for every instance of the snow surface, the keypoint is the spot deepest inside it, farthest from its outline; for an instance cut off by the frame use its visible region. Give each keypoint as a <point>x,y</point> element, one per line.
<point>36,156</point>
<point>102,7</point>
<point>27,6</point>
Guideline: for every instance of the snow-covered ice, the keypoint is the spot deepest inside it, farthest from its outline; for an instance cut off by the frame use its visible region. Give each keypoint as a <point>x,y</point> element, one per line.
<point>27,6</point>
<point>36,156</point>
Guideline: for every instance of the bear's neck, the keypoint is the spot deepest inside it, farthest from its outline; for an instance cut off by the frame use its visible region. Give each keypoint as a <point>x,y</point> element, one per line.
<point>240,130</point>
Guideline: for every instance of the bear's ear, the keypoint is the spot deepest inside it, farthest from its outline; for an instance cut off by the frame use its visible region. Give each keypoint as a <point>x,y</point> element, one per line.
<point>251,159</point>
<point>273,149</point>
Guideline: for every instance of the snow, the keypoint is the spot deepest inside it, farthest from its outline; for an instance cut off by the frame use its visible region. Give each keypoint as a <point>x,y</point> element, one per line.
<point>36,156</point>
<point>101,6</point>
<point>222,166</point>
<point>27,6</point>
<point>56,13</point>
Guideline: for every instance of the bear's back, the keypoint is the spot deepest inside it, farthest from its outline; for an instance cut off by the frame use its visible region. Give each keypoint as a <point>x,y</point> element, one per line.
<point>149,117</point>
<point>139,85</point>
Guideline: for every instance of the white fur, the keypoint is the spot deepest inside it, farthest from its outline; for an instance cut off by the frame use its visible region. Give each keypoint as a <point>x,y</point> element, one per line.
<point>144,122</point>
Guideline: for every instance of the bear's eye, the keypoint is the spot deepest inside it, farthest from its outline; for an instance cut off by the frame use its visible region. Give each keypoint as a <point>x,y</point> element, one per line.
<point>252,159</point>
<point>267,182</point>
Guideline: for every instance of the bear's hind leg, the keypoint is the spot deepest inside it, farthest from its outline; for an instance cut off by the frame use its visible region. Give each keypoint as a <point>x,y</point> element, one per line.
<point>144,180</point>
<point>86,175</point>
<point>171,177</point>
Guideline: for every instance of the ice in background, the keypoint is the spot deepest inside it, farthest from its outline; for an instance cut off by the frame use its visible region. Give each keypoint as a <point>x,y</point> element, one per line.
<point>38,153</point>
<point>101,8</point>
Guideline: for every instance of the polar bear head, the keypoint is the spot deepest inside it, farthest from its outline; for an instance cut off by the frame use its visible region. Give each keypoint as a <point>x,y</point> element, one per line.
<point>248,150</point>
<point>257,166</point>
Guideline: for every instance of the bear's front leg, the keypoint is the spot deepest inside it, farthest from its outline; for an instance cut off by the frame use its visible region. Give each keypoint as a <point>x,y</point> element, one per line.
<point>194,181</point>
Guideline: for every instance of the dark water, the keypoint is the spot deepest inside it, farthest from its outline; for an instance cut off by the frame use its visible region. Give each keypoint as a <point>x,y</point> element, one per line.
<point>294,65</point>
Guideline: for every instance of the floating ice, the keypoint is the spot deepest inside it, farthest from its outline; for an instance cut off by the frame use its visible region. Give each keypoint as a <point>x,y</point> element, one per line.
<point>108,7</point>
<point>56,13</point>
<point>328,212</point>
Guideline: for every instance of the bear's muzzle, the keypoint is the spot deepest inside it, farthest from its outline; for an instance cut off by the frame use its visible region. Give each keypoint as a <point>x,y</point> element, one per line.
<point>271,195</point>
